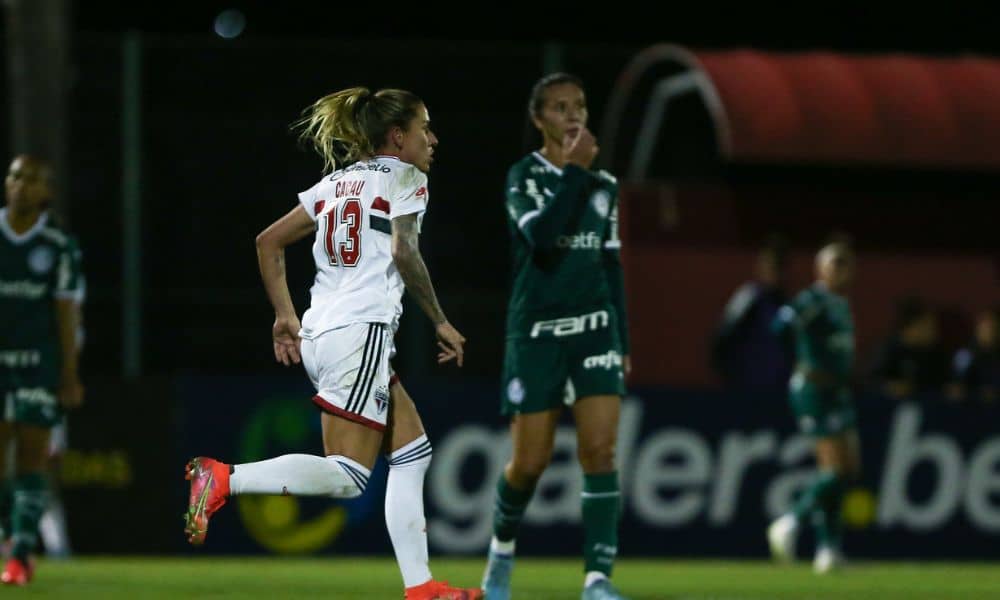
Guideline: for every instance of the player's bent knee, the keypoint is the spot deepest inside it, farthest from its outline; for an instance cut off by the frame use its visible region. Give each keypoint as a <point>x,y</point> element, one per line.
<point>349,479</point>
<point>597,457</point>
<point>415,455</point>
<point>348,490</point>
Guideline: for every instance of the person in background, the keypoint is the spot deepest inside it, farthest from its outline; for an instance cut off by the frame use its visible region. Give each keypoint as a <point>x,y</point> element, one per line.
<point>976,367</point>
<point>745,353</point>
<point>39,376</point>
<point>567,334</point>
<point>821,326</point>
<point>912,363</point>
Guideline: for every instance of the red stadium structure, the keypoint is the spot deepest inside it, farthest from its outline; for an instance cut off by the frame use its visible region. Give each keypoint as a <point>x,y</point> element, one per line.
<point>688,129</point>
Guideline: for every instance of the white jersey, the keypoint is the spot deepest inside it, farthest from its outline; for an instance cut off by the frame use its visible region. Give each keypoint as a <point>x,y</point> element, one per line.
<point>356,278</point>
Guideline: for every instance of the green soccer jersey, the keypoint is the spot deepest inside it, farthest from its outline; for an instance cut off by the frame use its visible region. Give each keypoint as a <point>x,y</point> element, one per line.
<point>36,268</point>
<point>565,248</point>
<point>823,329</point>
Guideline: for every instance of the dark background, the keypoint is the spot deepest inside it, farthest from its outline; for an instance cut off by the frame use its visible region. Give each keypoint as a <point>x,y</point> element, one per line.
<point>219,162</point>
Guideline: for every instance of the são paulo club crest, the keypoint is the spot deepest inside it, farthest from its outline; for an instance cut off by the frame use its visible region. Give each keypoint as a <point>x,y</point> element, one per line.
<point>381,399</point>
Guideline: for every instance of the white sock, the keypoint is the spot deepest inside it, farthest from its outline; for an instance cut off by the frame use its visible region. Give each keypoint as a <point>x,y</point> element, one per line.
<point>52,528</point>
<point>592,577</point>
<point>404,510</point>
<point>300,475</point>
<point>498,547</point>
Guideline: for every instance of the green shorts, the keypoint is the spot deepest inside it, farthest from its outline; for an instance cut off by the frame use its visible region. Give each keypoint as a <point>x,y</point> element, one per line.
<point>821,412</point>
<point>544,373</point>
<point>27,396</point>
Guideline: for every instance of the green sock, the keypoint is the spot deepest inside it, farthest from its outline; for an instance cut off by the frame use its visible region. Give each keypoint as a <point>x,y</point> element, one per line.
<point>30,500</point>
<point>508,509</point>
<point>813,497</point>
<point>830,524</point>
<point>600,521</point>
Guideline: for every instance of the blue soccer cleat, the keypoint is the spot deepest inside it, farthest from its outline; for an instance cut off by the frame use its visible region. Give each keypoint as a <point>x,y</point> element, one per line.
<point>600,590</point>
<point>496,579</point>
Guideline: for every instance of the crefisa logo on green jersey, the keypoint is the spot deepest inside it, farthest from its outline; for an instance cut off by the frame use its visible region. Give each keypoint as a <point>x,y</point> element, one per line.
<point>608,360</point>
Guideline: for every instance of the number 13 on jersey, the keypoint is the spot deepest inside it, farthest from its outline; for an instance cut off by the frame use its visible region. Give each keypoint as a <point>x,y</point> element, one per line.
<point>346,214</point>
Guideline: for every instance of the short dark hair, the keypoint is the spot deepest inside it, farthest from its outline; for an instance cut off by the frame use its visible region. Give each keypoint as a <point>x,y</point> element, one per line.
<point>537,98</point>
<point>538,90</point>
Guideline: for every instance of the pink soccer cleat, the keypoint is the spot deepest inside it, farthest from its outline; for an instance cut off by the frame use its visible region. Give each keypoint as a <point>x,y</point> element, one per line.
<point>209,489</point>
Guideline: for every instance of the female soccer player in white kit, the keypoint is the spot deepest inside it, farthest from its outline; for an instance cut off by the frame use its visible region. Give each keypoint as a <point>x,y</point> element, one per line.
<point>365,218</point>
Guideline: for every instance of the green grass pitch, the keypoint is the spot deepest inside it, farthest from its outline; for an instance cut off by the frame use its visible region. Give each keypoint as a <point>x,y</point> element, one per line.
<point>333,578</point>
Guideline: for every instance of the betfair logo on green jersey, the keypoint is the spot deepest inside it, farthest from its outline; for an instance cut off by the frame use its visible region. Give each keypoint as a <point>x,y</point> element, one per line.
<point>24,289</point>
<point>571,325</point>
<point>580,241</point>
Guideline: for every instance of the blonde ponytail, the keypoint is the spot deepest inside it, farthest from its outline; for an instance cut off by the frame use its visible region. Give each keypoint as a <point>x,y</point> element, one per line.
<point>349,125</point>
<point>331,126</point>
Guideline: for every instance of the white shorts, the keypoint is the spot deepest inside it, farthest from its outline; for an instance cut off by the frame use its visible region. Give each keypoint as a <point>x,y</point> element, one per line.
<point>349,367</point>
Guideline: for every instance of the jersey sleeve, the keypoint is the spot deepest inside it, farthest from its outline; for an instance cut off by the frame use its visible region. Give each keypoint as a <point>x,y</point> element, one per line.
<point>81,288</point>
<point>410,195</point>
<point>801,313</point>
<point>523,198</point>
<point>611,239</point>
<point>615,274</point>
<point>540,221</point>
<point>308,200</point>
<point>68,272</point>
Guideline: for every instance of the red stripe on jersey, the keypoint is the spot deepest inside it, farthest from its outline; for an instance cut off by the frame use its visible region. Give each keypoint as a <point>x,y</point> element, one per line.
<point>381,204</point>
<point>318,208</point>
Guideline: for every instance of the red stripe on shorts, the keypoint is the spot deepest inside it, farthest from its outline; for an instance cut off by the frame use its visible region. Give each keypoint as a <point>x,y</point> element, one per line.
<point>326,407</point>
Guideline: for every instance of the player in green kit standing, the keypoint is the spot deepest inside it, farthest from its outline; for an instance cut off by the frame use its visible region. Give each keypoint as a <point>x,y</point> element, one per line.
<point>820,323</point>
<point>566,336</point>
<point>39,282</point>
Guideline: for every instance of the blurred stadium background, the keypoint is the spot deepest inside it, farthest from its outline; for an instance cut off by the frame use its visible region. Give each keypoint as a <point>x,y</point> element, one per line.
<point>169,129</point>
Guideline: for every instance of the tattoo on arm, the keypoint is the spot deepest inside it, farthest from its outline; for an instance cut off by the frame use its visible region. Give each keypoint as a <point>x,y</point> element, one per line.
<point>409,262</point>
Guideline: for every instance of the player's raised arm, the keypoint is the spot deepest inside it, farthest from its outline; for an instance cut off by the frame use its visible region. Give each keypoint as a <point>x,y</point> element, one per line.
<point>410,263</point>
<point>271,242</point>
<point>543,226</point>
